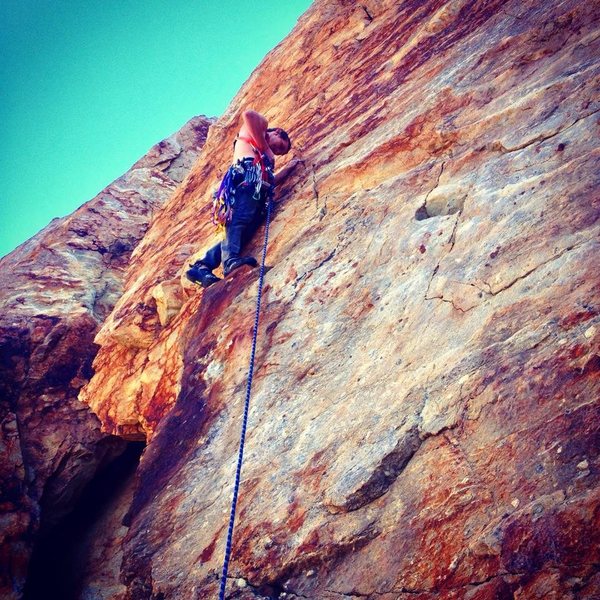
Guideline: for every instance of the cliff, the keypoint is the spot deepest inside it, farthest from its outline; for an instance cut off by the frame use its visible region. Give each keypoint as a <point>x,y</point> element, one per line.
<point>424,413</point>
<point>424,418</point>
<point>57,288</point>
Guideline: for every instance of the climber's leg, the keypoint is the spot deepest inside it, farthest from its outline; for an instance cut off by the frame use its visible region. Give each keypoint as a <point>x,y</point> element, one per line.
<point>201,271</point>
<point>244,220</point>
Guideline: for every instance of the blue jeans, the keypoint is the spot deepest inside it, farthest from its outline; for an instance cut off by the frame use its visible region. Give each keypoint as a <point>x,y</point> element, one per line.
<point>246,217</point>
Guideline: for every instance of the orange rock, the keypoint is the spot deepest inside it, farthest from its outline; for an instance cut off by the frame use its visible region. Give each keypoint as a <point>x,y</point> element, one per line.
<point>56,289</point>
<point>409,384</point>
<point>426,378</point>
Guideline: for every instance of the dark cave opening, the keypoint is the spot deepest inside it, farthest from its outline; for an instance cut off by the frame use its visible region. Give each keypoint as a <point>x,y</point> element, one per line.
<point>55,569</point>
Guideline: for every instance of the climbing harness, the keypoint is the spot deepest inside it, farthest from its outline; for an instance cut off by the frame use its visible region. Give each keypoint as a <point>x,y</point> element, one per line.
<point>246,408</point>
<point>247,172</point>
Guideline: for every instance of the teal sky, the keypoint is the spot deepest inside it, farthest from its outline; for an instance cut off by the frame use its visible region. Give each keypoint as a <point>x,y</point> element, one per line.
<point>87,87</point>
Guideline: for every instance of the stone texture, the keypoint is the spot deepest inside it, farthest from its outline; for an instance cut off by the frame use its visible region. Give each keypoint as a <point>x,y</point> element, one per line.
<point>427,369</point>
<point>99,552</point>
<point>427,380</point>
<point>424,418</point>
<point>57,288</point>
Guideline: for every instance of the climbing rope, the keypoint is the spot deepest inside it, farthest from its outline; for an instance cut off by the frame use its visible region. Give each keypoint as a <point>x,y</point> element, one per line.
<point>246,407</point>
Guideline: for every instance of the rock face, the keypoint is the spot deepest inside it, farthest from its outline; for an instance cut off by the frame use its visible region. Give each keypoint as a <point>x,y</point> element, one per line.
<point>57,288</point>
<point>424,419</point>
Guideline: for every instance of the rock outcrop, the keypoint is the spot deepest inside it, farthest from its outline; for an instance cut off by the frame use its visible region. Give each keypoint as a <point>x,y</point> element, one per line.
<point>424,420</point>
<point>56,290</point>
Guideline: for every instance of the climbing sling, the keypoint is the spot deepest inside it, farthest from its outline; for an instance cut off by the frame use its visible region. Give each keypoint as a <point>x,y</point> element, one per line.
<point>246,408</point>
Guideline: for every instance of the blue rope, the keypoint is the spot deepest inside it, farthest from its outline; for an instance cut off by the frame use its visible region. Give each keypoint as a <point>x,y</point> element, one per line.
<point>246,407</point>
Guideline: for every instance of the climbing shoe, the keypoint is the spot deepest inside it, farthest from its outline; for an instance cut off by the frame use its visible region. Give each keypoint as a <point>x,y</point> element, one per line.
<point>235,263</point>
<point>202,275</point>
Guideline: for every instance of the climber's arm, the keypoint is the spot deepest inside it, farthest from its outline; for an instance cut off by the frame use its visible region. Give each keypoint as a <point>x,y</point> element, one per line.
<point>256,125</point>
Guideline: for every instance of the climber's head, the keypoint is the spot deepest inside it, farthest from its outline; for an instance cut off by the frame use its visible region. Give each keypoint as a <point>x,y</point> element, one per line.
<point>278,140</point>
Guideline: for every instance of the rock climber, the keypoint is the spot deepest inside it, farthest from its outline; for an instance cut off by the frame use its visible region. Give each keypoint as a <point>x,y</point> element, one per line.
<point>245,191</point>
